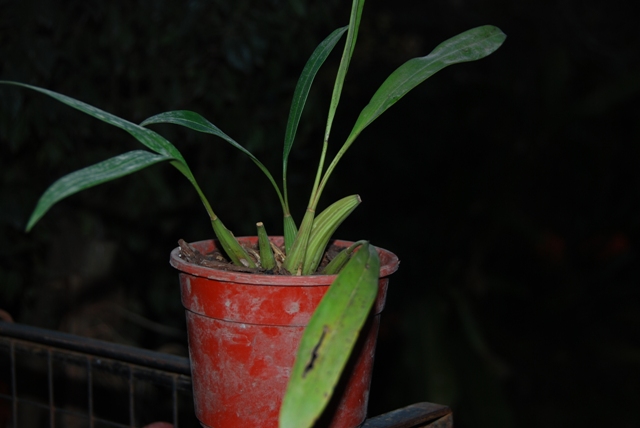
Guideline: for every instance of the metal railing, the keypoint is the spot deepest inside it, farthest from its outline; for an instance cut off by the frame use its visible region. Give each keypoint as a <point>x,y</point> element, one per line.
<point>59,380</point>
<point>54,379</point>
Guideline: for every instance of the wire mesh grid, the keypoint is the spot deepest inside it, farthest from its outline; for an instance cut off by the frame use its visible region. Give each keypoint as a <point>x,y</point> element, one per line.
<point>53,379</point>
<point>50,379</point>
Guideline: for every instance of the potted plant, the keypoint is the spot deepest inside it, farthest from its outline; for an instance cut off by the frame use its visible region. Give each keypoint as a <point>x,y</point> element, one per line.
<point>252,302</point>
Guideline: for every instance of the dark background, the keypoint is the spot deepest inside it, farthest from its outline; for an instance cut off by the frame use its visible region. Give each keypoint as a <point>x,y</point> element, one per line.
<point>508,187</point>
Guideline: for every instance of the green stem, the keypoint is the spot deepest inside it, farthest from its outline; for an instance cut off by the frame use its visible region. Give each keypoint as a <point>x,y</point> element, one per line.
<point>335,161</point>
<point>230,244</point>
<point>352,35</point>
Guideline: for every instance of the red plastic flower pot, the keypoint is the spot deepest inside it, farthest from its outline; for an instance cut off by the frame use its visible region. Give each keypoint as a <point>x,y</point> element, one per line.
<point>244,330</point>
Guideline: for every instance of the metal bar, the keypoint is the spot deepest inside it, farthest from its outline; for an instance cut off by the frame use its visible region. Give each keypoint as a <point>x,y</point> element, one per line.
<point>168,369</point>
<point>158,368</point>
<point>174,400</point>
<point>52,409</point>
<point>14,385</point>
<point>416,415</point>
<point>138,356</point>
<point>132,403</point>
<point>90,391</point>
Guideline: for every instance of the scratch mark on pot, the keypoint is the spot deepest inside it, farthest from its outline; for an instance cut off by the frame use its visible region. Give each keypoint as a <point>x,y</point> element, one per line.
<point>236,339</point>
<point>314,352</point>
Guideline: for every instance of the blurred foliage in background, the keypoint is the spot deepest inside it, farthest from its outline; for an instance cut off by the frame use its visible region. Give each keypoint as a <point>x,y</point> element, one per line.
<point>509,187</point>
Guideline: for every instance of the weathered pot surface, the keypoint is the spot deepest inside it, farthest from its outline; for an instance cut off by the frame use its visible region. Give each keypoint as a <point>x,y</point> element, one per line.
<point>244,330</point>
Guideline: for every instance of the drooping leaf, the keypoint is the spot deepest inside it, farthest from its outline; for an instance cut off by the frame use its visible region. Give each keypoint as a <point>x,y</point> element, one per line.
<point>166,151</point>
<point>110,169</point>
<point>329,338</point>
<point>145,136</point>
<point>195,121</point>
<point>150,139</point>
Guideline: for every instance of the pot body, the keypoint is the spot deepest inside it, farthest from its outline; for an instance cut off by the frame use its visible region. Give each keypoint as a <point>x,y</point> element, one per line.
<point>244,330</point>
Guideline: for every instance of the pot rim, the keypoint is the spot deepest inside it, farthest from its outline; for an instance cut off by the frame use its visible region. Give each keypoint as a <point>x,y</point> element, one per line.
<point>388,264</point>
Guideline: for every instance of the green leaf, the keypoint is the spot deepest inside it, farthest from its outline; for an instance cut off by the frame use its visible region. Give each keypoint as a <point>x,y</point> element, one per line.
<point>329,338</point>
<point>338,262</point>
<point>146,136</point>
<point>324,226</point>
<point>296,258</point>
<point>267,260</point>
<point>301,93</point>
<point>110,169</point>
<point>354,24</point>
<point>471,45</point>
<point>126,164</point>
<point>234,250</point>
<point>195,121</point>
<point>296,254</point>
<point>150,139</point>
<point>290,232</point>
<point>352,35</point>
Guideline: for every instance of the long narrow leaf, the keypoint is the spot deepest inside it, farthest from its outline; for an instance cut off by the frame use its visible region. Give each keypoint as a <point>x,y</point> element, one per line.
<point>471,45</point>
<point>301,93</point>
<point>150,139</point>
<point>195,121</point>
<point>329,338</point>
<point>357,6</point>
<point>354,25</point>
<point>147,137</point>
<point>110,169</point>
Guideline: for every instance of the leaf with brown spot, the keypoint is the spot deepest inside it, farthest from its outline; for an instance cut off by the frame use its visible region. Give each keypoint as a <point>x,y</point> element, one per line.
<point>329,339</point>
